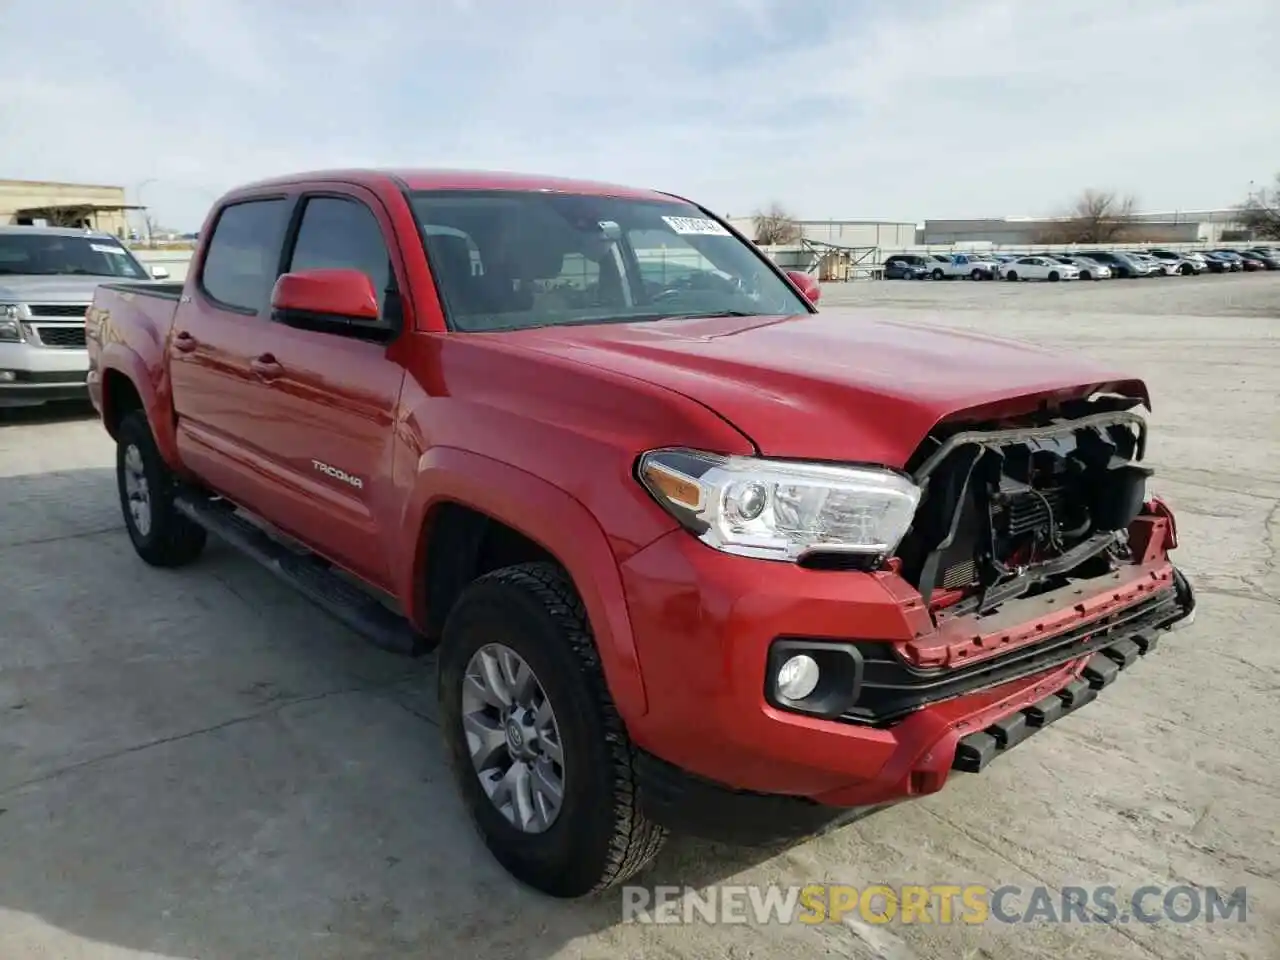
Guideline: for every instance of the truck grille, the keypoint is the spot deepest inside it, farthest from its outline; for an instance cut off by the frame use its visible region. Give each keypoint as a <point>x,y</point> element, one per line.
<point>76,310</point>
<point>61,336</point>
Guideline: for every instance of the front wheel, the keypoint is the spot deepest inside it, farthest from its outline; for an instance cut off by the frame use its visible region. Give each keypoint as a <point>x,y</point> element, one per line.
<point>161,535</point>
<point>938,274</point>
<point>537,748</point>
<point>1011,275</point>
<point>976,275</point>
<point>1054,276</point>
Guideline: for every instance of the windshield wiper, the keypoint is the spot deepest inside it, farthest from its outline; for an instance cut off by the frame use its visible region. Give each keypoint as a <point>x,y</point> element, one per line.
<point>715,313</point>
<point>651,317</point>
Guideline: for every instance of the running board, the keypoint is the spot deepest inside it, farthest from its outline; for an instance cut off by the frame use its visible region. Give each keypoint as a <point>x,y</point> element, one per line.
<point>309,575</point>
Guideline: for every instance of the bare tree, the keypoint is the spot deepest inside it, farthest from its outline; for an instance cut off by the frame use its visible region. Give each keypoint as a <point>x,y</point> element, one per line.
<point>776,226</point>
<point>1261,212</point>
<point>1097,216</point>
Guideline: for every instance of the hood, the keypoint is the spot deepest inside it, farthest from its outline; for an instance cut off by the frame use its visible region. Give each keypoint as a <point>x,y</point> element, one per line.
<point>838,385</point>
<point>59,289</point>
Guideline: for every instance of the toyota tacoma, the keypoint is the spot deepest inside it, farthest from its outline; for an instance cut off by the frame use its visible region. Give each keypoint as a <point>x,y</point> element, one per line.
<point>696,556</point>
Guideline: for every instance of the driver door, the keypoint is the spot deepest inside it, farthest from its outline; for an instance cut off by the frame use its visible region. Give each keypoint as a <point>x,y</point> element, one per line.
<point>334,396</point>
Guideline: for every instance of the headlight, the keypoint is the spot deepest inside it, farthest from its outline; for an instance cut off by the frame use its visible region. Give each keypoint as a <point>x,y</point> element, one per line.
<point>781,510</point>
<point>10,326</point>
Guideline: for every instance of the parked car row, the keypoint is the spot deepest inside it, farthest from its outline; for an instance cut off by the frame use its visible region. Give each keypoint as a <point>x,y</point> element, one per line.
<point>1093,265</point>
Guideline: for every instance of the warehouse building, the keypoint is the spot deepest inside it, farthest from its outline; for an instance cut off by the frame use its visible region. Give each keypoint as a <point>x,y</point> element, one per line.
<point>1183,226</point>
<point>846,233</point>
<point>40,202</point>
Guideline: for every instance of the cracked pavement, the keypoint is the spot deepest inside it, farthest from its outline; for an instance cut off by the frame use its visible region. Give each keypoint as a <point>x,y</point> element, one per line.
<point>199,764</point>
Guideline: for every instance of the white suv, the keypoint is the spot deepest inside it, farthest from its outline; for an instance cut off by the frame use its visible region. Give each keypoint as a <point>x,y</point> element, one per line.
<point>47,279</point>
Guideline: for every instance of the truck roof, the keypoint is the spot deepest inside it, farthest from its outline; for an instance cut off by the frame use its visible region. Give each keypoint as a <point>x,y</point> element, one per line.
<point>442,179</point>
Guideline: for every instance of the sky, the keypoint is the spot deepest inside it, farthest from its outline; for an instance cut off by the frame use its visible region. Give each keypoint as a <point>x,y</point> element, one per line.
<point>833,108</point>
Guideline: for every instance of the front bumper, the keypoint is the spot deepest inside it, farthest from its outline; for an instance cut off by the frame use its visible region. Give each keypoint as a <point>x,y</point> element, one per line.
<point>704,625</point>
<point>31,374</point>
<point>975,750</point>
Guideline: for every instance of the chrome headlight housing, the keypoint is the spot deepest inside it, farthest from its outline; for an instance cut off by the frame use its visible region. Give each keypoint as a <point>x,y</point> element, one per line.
<point>10,325</point>
<point>781,510</point>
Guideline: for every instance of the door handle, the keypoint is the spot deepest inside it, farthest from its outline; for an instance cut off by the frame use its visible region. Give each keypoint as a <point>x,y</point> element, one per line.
<point>266,366</point>
<point>184,342</point>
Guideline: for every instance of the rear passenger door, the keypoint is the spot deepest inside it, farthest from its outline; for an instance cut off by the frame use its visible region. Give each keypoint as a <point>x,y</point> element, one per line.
<point>334,395</point>
<point>219,327</point>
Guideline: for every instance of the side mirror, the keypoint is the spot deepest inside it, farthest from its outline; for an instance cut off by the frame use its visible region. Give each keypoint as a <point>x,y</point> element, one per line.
<point>159,273</point>
<point>319,295</point>
<point>808,286</point>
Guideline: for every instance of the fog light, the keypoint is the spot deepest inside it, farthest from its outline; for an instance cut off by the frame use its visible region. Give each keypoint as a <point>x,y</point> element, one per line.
<point>798,677</point>
<point>7,376</point>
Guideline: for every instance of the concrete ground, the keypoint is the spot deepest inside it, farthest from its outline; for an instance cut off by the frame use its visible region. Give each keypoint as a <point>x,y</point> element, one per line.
<point>198,764</point>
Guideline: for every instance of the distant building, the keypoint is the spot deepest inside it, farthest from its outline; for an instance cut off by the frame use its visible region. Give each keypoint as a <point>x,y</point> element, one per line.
<point>846,233</point>
<point>1184,226</point>
<point>30,202</point>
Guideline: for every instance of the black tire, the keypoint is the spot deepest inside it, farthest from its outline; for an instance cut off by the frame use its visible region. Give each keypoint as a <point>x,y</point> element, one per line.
<point>975,275</point>
<point>170,539</point>
<point>1011,275</point>
<point>1054,276</point>
<point>1186,270</point>
<point>599,837</point>
<point>1086,275</point>
<point>938,274</point>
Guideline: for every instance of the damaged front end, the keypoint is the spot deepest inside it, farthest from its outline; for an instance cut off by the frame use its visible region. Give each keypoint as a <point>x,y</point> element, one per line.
<point>1035,544</point>
<point>1015,509</point>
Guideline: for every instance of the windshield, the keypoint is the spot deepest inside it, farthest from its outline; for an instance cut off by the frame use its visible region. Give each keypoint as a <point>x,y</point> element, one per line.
<point>506,260</point>
<point>52,254</point>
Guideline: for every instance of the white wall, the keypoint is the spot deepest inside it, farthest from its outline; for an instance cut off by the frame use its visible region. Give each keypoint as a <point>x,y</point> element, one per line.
<point>175,261</point>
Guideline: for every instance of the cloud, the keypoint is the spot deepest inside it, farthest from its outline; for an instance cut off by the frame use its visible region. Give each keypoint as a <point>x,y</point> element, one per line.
<point>857,109</point>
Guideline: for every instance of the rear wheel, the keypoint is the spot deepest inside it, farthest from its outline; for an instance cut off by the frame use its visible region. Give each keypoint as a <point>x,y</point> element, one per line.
<point>1011,275</point>
<point>976,275</point>
<point>161,535</point>
<point>537,748</point>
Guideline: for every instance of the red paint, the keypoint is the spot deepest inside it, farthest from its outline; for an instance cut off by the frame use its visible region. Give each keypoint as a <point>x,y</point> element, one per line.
<point>540,429</point>
<point>343,293</point>
<point>806,284</point>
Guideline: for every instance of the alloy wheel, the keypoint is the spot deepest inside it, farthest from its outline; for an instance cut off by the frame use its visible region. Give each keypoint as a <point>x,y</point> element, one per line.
<point>137,490</point>
<point>513,738</point>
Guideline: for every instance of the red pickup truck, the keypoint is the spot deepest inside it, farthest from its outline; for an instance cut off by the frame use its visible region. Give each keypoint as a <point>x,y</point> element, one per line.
<point>697,557</point>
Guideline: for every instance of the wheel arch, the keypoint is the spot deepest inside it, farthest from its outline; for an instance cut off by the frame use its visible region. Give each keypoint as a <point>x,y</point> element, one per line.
<point>466,504</point>
<point>127,385</point>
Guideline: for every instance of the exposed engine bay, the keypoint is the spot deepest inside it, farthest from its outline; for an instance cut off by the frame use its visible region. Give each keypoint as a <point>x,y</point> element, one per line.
<point>1019,508</point>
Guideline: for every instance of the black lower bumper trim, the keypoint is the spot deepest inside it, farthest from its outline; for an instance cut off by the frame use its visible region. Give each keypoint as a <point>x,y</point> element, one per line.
<point>687,804</point>
<point>1046,711</point>
<point>1101,670</point>
<point>976,750</point>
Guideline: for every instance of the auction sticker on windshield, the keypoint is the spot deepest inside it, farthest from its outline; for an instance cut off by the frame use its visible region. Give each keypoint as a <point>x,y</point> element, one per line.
<point>696,225</point>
